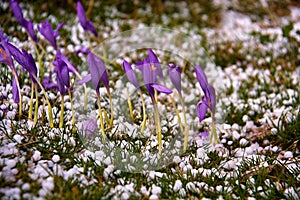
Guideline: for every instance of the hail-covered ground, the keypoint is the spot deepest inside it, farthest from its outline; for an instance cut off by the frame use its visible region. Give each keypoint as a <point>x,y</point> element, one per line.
<point>249,51</point>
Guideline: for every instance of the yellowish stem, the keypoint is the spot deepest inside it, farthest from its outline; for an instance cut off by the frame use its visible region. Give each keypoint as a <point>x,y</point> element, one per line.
<point>72,107</point>
<point>177,113</point>
<point>61,118</point>
<point>144,113</point>
<point>129,104</point>
<point>158,128</point>
<point>213,136</point>
<point>111,111</point>
<point>36,109</point>
<point>101,118</point>
<point>47,99</point>
<point>186,130</point>
<point>31,101</point>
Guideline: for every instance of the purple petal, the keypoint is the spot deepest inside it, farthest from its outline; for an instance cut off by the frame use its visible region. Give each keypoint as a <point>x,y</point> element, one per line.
<point>212,98</point>
<point>85,79</point>
<point>46,30</point>
<point>153,60</point>
<point>17,11</point>
<point>98,71</point>
<point>130,74</point>
<point>28,25</point>
<point>89,127</point>
<point>174,73</point>
<point>201,78</point>
<point>161,88</point>
<point>49,84</point>
<point>201,110</point>
<point>15,91</point>
<point>68,63</point>
<point>55,32</point>
<point>25,59</point>
<point>86,25</point>
<point>204,134</point>
<point>84,50</point>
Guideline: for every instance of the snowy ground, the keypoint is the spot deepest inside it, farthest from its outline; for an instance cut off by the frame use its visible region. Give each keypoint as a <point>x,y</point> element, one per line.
<point>250,53</point>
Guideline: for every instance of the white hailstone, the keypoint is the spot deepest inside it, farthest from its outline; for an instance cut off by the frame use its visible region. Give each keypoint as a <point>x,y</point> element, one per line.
<point>55,158</point>
<point>223,141</point>
<point>274,131</point>
<point>155,189</point>
<point>235,126</point>
<point>290,192</point>
<point>288,154</point>
<point>36,156</point>
<point>176,159</point>
<point>230,142</point>
<point>18,138</point>
<point>245,118</point>
<point>107,161</point>
<point>177,185</point>
<point>48,184</point>
<point>11,114</point>
<point>125,196</point>
<point>182,192</point>
<point>243,142</point>
<point>219,188</point>
<point>10,163</point>
<point>108,171</point>
<point>235,135</point>
<point>153,197</point>
<point>26,187</point>
<point>144,191</point>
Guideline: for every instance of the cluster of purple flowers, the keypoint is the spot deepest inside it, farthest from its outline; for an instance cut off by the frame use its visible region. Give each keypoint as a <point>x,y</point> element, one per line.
<point>149,67</point>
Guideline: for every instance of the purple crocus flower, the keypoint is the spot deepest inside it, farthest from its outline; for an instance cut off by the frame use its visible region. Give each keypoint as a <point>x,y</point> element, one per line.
<point>86,24</point>
<point>153,60</point>
<point>62,73</point>
<point>49,84</point>
<point>130,74</point>
<point>209,100</point>
<point>46,30</point>
<point>174,73</point>
<point>97,74</point>
<point>5,57</point>
<point>149,75</point>
<point>28,25</point>
<point>25,59</point>
<point>65,59</point>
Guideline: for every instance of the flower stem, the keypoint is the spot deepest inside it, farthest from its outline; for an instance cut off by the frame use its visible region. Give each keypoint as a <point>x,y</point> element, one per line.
<point>214,136</point>
<point>31,101</point>
<point>61,117</point>
<point>144,112</point>
<point>72,107</point>
<point>177,113</point>
<point>157,127</point>
<point>186,126</point>
<point>36,109</point>
<point>100,116</point>
<point>111,110</point>
<point>41,69</point>
<point>47,99</point>
<point>129,104</point>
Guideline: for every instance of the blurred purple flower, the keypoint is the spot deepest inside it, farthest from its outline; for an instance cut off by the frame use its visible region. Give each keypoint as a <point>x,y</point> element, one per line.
<point>174,73</point>
<point>5,57</point>
<point>49,84</point>
<point>97,74</point>
<point>28,25</point>
<point>25,59</point>
<point>65,59</point>
<point>46,30</point>
<point>209,100</point>
<point>86,24</point>
<point>62,74</point>
<point>130,74</point>
<point>89,127</point>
